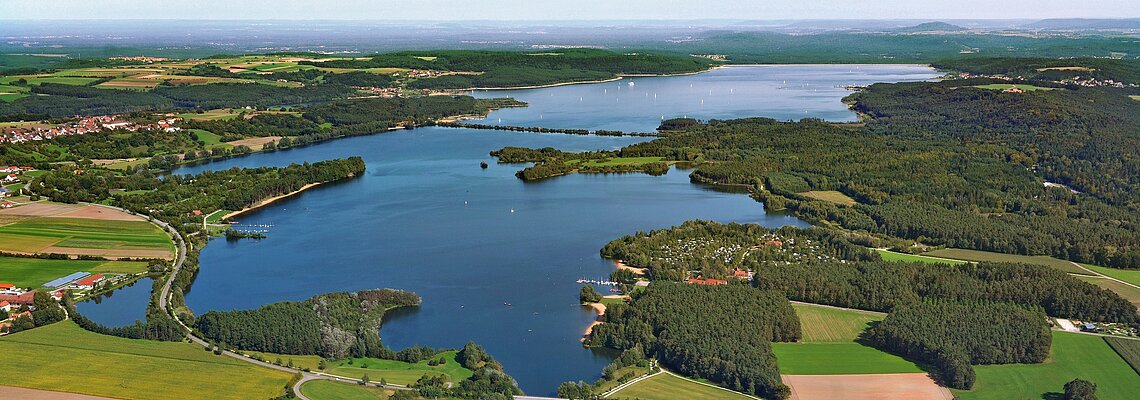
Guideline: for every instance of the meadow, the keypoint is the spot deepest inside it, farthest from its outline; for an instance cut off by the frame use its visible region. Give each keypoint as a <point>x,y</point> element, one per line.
<point>888,255</point>
<point>838,359</point>
<point>327,390</point>
<point>1128,275</point>
<point>399,372</point>
<point>830,325</point>
<point>668,387</point>
<point>1129,350</point>
<point>831,196</point>
<point>1129,293</point>
<point>1072,356</point>
<point>33,272</point>
<point>977,255</point>
<point>1007,86</point>
<point>64,357</point>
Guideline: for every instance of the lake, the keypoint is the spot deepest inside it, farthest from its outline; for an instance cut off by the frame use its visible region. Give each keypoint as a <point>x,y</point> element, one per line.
<point>426,218</point>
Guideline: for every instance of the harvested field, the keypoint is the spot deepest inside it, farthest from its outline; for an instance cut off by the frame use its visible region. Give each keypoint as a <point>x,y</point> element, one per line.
<point>917,386</point>
<point>255,143</point>
<point>830,196</point>
<point>982,256</point>
<point>83,230</point>
<point>39,210</point>
<point>99,213</point>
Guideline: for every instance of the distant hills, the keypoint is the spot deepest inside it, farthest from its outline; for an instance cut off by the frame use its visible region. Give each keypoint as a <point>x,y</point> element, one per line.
<point>930,27</point>
<point>1083,23</point>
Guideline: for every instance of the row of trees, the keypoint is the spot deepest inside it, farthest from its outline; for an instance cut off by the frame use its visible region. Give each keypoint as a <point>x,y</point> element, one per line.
<point>721,333</point>
<point>953,336</point>
<point>883,286</point>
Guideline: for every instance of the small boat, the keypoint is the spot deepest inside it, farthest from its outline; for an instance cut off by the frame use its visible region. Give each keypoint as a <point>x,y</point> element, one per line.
<point>631,83</point>
<point>507,304</point>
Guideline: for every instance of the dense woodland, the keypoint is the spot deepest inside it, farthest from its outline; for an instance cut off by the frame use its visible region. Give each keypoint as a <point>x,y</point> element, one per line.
<point>946,164</point>
<point>514,69</point>
<point>883,286</point>
<point>951,337</point>
<point>334,325</point>
<point>715,250</point>
<point>550,162</point>
<point>719,333</point>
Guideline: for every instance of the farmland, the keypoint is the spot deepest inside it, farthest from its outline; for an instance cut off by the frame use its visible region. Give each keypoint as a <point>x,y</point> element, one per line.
<point>1128,275</point>
<point>132,369</point>
<point>1129,350</point>
<point>1008,86</point>
<point>830,196</point>
<point>1072,356</point>
<point>667,386</point>
<point>33,272</point>
<point>976,255</point>
<point>837,359</point>
<point>1129,293</point>
<point>399,372</point>
<point>328,390</point>
<point>77,230</point>
<point>85,236</point>
<point>888,255</point>
<point>824,324</point>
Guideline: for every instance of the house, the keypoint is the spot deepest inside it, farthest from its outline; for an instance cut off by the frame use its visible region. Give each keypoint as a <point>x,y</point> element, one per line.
<point>4,192</point>
<point>1090,327</point>
<point>23,299</point>
<point>710,281</point>
<point>89,282</point>
<point>776,243</point>
<point>742,274</point>
<point>7,204</point>
<point>5,307</point>
<point>7,287</point>
<point>197,212</point>
<point>11,178</point>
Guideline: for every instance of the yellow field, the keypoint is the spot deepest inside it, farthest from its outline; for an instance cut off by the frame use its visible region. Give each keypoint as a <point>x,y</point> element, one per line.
<point>830,196</point>
<point>668,387</point>
<point>823,324</point>
<point>64,357</point>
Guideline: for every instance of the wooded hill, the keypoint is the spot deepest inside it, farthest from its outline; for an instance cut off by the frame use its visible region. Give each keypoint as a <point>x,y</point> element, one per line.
<point>334,325</point>
<point>720,333</point>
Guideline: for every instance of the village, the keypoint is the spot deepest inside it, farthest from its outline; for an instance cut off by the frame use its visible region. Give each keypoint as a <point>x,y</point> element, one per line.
<point>16,301</point>
<point>80,126</point>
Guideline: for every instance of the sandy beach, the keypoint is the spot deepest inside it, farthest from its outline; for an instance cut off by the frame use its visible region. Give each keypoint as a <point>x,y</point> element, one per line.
<point>269,200</point>
<point>601,310</point>
<point>623,265</point>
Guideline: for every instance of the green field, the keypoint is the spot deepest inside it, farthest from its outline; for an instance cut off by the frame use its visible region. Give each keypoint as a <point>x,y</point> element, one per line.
<point>1073,356</point>
<point>830,196</point>
<point>327,390</point>
<point>888,255</point>
<point>1007,86</point>
<point>210,115</point>
<point>34,234</point>
<point>668,387</point>
<point>838,359</point>
<point>1135,97</point>
<point>36,80</point>
<point>1128,275</point>
<point>64,357</point>
<point>977,255</point>
<point>604,385</point>
<point>824,324</point>
<point>33,272</point>
<point>1128,349</point>
<point>399,372</point>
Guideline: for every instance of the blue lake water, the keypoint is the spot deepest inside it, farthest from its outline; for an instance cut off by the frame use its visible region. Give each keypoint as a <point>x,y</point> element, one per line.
<point>427,219</point>
<point>122,307</point>
<point>784,92</point>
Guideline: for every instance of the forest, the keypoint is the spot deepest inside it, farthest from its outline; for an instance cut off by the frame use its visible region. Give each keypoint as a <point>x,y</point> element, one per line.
<point>953,336</point>
<point>550,162</point>
<point>719,333</point>
<point>884,286</point>
<point>514,69</point>
<point>944,164</point>
<point>714,250</point>
<point>334,325</point>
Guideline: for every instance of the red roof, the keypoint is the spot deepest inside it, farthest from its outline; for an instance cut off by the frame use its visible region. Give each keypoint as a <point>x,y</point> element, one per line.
<point>88,281</point>
<point>7,286</point>
<point>740,273</point>
<point>710,281</point>
<point>26,298</point>
<point>4,304</point>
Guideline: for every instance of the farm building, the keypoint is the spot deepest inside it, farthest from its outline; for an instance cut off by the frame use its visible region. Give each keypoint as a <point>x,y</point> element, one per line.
<point>19,299</point>
<point>89,282</point>
<point>66,280</point>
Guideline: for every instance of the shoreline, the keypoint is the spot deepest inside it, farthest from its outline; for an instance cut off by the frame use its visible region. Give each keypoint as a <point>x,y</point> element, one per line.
<point>598,308</point>
<point>622,265</point>
<point>270,200</point>
<point>614,79</point>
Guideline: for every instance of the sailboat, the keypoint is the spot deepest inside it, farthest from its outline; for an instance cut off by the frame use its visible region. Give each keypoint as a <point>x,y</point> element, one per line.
<point>631,83</point>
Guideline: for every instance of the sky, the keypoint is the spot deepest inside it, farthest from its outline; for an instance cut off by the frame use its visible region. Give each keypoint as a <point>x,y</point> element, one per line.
<point>515,10</point>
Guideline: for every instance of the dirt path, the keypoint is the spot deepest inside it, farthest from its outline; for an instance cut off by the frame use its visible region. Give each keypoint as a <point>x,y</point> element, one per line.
<point>9,392</point>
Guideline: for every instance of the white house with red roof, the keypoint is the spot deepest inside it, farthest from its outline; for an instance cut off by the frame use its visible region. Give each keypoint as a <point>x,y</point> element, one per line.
<point>89,282</point>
